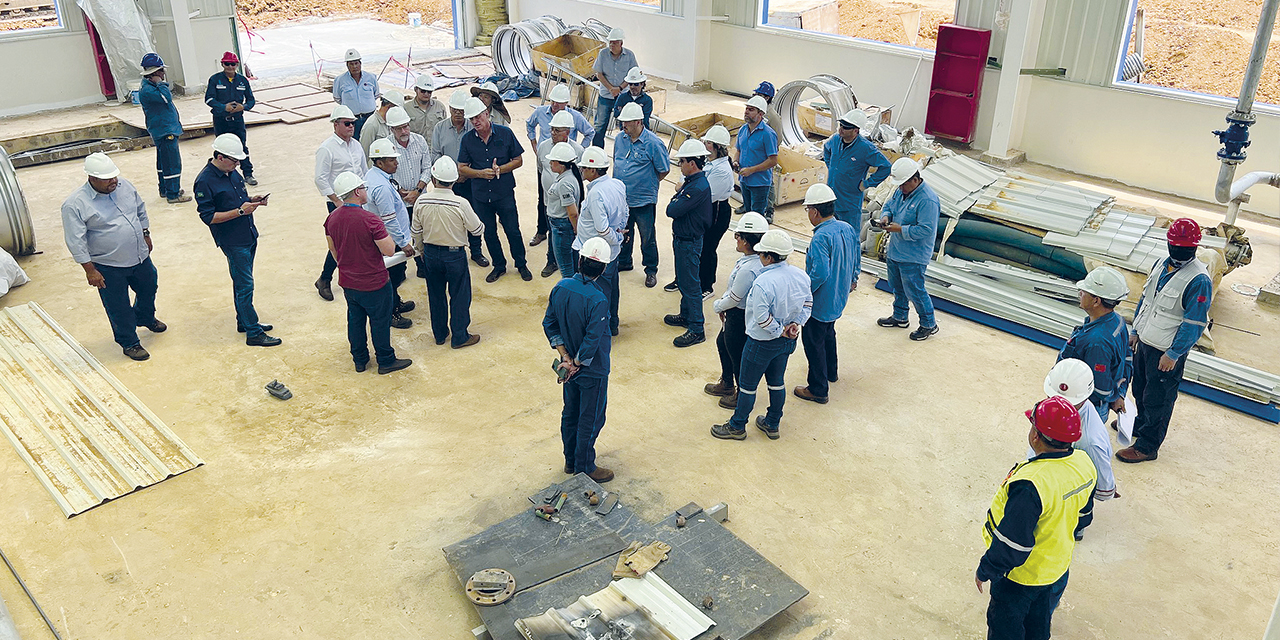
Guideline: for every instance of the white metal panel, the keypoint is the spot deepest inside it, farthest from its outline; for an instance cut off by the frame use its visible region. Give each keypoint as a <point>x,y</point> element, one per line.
<point>985,14</point>
<point>1083,37</point>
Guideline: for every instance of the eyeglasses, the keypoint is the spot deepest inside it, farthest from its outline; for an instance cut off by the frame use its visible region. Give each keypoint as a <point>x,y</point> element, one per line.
<point>847,127</point>
<point>230,64</point>
<point>346,123</point>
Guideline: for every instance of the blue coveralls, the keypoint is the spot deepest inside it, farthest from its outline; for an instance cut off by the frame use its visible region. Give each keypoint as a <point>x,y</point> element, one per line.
<point>578,318</point>
<point>847,167</point>
<point>164,127</point>
<point>1103,344</point>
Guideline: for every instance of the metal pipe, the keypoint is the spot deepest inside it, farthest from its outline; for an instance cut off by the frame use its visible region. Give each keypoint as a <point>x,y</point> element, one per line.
<point>1236,136</point>
<point>30,596</point>
<point>1243,184</point>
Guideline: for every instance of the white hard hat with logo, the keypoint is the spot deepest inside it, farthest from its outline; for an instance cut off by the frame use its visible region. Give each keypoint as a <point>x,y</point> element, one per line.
<point>635,76</point>
<point>562,152</point>
<point>397,116</point>
<point>819,194</point>
<point>717,134</point>
<point>458,100</point>
<point>595,158</point>
<point>615,34</point>
<point>98,165</point>
<point>630,112</point>
<point>758,103</point>
<point>775,241</point>
<point>425,82</point>
<point>903,169</point>
<point>558,93</point>
<point>383,148</point>
<point>751,222</point>
<point>474,108</point>
<point>228,144</point>
<point>562,120</point>
<point>1106,283</point>
<point>691,148</point>
<point>1070,378</point>
<point>341,112</point>
<point>346,182</point>
<point>352,55</point>
<point>445,170</point>
<point>596,249</point>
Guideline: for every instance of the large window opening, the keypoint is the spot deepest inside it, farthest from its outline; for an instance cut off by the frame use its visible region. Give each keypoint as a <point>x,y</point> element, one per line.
<point>27,16</point>
<point>911,24</point>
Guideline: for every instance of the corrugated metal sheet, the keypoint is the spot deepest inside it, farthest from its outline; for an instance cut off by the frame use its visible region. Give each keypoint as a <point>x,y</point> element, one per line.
<point>1151,250</point>
<point>86,438</point>
<point>986,14</point>
<point>1039,203</point>
<point>958,180</point>
<point>1083,37</point>
<point>673,7</point>
<point>1117,235</point>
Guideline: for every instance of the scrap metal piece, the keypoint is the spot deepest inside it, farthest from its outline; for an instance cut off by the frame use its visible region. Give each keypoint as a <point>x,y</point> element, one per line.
<point>689,510</point>
<point>610,501</point>
<point>278,390</point>
<point>681,521</point>
<point>490,587</point>
<point>719,512</point>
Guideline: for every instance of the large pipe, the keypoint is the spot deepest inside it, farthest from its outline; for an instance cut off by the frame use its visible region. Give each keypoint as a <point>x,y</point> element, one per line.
<point>1242,185</point>
<point>1236,137</point>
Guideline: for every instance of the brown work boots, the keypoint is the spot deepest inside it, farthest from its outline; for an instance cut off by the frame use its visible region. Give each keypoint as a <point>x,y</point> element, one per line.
<point>601,474</point>
<point>728,393</point>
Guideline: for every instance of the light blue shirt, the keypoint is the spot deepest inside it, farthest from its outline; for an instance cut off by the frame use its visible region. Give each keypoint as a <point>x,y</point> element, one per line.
<point>847,166</point>
<point>582,129</point>
<point>640,165</point>
<point>106,229</point>
<point>385,201</point>
<point>360,97</point>
<point>604,214</point>
<point>833,261</point>
<point>741,278</point>
<point>755,146</point>
<point>446,139</point>
<point>779,296</point>
<point>918,215</point>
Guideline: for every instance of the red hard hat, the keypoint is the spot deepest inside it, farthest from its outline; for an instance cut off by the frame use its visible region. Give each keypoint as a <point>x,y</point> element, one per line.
<point>230,57</point>
<point>1184,232</point>
<point>1056,418</point>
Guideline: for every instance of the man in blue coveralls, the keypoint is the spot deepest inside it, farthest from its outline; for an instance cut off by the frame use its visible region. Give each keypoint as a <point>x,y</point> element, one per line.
<point>911,215</point>
<point>848,156</point>
<point>690,213</point>
<point>833,262</point>
<point>164,127</point>
<point>577,326</point>
<point>229,96</point>
<point>1102,342</point>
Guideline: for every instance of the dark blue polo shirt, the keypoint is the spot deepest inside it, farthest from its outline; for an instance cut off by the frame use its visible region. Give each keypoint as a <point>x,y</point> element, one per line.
<point>217,191</point>
<point>503,147</point>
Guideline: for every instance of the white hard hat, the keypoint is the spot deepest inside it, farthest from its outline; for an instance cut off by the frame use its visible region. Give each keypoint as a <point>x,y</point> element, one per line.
<point>445,170</point>
<point>352,55</point>
<point>595,158</point>
<point>717,134</point>
<point>397,116</point>
<point>903,169</point>
<point>392,95</point>
<point>98,165</point>
<point>635,76</point>
<point>615,34</point>
<point>751,222</point>
<point>596,249</point>
<point>819,194</point>
<point>563,152</point>
<point>759,103</point>
<point>558,93</point>
<point>474,108</point>
<point>346,182</point>
<point>691,148</point>
<point>1106,283</point>
<point>341,112</point>
<point>1072,379</point>
<point>425,82</point>
<point>562,120</point>
<point>458,100</point>
<point>228,144</point>
<point>855,117</point>
<point>488,86</point>
<point>630,111</point>
<point>383,148</point>
<point>775,241</point>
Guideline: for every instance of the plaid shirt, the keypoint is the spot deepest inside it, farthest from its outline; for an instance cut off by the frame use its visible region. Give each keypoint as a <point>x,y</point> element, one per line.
<point>415,162</point>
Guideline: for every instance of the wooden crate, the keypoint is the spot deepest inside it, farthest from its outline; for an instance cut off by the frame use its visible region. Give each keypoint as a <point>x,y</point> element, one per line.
<point>816,118</point>
<point>794,175</point>
<point>576,53</point>
<point>699,125</point>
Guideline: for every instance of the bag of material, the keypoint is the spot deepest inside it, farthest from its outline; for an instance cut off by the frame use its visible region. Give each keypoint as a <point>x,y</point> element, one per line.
<point>11,275</point>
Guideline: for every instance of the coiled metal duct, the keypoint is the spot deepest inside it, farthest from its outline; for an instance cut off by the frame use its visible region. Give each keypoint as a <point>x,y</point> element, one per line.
<point>512,43</point>
<point>17,235</point>
<point>838,96</point>
<point>593,29</point>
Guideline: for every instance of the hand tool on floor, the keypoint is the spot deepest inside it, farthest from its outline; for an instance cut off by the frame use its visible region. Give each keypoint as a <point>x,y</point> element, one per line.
<point>279,390</point>
<point>548,511</point>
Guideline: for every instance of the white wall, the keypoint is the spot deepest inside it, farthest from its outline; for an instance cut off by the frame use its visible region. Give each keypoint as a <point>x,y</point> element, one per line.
<point>66,77</point>
<point>213,36</point>
<point>1153,142</point>
<point>656,38</point>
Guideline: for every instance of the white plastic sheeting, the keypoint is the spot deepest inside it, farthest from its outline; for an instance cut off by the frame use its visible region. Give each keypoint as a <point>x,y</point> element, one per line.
<point>11,275</point>
<point>126,37</point>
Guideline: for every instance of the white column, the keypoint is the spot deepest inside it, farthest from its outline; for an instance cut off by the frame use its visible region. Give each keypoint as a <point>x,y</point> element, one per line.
<point>186,40</point>
<point>1020,46</point>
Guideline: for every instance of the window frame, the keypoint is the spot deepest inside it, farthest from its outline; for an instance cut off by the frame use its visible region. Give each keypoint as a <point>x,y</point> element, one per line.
<point>39,32</point>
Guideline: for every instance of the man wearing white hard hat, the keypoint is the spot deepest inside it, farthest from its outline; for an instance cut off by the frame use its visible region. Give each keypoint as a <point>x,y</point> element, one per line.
<point>833,262</point>
<point>1073,380</point>
<point>577,326</point>
<point>105,225</point>
<point>376,127</point>
<point>425,112</point>
<point>569,195</point>
<point>339,153</point>
<point>849,155</point>
<point>640,161</point>
<point>492,99</point>
<point>636,81</point>
<point>357,90</point>
<point>732,306</point>
<point>604,216</point>
<point>225,206</point>
<point>413,171</point>
<point>540,129</point>
<point>690,213</point>
<point>358,240</point>
<point>720,175</point>
<point>446,140</point>
<point>611,67</point>
<point>1102,342</point>
<point>910,216</point>
<point>487,156</point>
<point>442,223</point>
<point>757,148</point>
<point>383,199</point>
<point>778,304</point>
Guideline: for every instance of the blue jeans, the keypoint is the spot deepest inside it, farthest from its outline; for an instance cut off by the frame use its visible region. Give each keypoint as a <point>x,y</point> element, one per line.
<point>688,278</point>
<point>756,198</point>
<point>491,213</point>
<point>585,400</point>
<point>907,280</point>
<point>1019,612</point>
<point>221,125</point>
<point>375,308</point>
<point>447,269</point>
<point>562,236</point>
<point>604,109</point>
<point>641,220</point>
<point>168,166</point>
<point>126,316</point>
<point>766,359</point>
<point>360,120</point>
<point>1104,410</point>
<point>240,263</point>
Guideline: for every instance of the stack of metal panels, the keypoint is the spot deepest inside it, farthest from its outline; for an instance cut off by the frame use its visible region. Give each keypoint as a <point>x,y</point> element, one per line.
<point>1025,279</point>
<point>958,180</point>
<point>1042,204</point>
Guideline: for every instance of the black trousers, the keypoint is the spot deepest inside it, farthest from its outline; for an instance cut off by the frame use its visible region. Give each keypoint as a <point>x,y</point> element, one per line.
<point>501,211</point>
<point>544,227</point>
<point>463,190</point>
<point>398,274</point>
<point>729,344</point>
<point>721,212</point>
<point>330,265</point>
<point>1154,391</point>
<point>819,340</point>
<point>1019,612</point>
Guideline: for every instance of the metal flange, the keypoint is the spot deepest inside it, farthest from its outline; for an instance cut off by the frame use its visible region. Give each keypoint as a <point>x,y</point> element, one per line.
<point>490,587</point>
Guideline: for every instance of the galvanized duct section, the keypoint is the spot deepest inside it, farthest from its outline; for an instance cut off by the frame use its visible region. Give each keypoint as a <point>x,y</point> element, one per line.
<point>17,236</point>
<point>838,95</point>
<point>593,29</point>
<point>512,42</point>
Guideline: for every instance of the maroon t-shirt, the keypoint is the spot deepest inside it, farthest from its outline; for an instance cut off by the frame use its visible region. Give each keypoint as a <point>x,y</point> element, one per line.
<point>354,232</point>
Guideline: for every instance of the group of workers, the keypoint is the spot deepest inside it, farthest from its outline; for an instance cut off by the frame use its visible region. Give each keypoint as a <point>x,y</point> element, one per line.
<point>428,181</point>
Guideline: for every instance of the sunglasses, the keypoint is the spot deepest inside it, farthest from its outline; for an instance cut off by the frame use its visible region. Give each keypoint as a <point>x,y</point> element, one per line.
<point>846,127</point>
<point>346,123</point>
<point>230,64</point>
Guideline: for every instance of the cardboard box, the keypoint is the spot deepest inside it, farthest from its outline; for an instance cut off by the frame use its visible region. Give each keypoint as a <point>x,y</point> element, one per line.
<point>817,119</point>
<point>699,125</point>
<point>794,175</point>
<point>576,53</point>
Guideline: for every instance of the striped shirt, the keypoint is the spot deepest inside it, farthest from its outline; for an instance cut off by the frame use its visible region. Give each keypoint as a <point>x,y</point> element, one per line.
<point>415,162</point>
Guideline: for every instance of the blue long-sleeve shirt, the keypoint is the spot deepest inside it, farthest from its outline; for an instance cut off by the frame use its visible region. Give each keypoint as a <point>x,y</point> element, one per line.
<point>690,208</point>
<point>644,100</point>
<point>847,166</point>
<point>578,318</point>
<point>222,91</point>
<point>539,125</point>
<point>1196,299</point>
<point>159,110</point>
<point>779,296</point>
<point>918,214</point>
<point>1103,344</point>
<point>832,262</point>
<point>385,201</point>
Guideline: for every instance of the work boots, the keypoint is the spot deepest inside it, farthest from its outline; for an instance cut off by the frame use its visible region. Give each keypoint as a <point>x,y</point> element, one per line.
<point>719,388</point>
<point>601,475</point>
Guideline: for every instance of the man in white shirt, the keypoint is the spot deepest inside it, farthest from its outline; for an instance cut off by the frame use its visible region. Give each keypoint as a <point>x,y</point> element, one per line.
<point>338,153</point>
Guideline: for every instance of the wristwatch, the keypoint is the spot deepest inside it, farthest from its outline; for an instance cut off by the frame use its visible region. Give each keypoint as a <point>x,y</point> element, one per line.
<point>146,233</point>
<point>240,210</point>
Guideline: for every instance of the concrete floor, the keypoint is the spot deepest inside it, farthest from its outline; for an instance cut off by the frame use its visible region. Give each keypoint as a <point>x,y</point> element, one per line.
<point>324,516</point>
